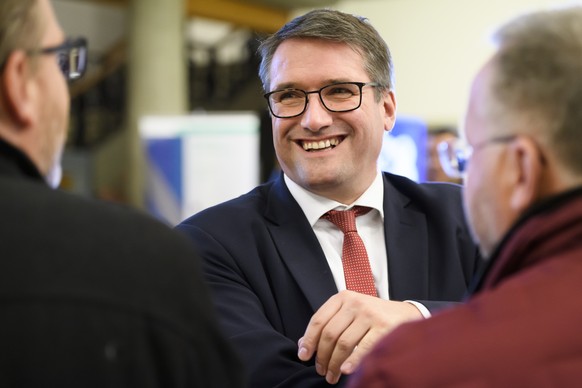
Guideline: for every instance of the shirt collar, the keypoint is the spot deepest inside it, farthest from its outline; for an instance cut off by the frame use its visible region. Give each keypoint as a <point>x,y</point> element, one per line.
<point>314,206</point>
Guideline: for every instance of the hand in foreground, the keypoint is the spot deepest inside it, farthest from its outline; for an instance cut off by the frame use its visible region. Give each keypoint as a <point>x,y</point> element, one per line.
<point>346,327</point>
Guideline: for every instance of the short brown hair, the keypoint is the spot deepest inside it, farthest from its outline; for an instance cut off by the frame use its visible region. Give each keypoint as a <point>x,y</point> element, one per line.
<point>334,26</point>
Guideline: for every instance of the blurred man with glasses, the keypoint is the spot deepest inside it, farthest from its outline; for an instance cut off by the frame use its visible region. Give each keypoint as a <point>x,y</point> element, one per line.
<point>273,257</point>
<point>91,294</point>
<point>522,163</point>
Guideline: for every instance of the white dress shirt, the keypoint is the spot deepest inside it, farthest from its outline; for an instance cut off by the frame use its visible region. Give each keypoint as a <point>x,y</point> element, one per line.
<point>370,228</point>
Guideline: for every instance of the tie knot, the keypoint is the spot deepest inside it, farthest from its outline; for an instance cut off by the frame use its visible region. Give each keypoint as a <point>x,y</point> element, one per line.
<point>346,220</point>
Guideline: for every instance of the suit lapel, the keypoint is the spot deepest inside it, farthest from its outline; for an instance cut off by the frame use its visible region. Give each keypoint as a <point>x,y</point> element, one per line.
<point>298,246</point>
<point>406,246</point>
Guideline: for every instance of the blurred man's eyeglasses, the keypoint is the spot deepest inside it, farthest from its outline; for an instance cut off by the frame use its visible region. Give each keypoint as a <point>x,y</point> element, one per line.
<point>337,97</point>
<point>71,57</point>
<point>454,154</point>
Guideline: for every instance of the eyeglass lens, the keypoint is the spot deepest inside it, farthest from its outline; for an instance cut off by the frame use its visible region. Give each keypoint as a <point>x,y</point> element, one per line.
<point>339,97</point>
<point>453,158</point>
<point>72,62</point>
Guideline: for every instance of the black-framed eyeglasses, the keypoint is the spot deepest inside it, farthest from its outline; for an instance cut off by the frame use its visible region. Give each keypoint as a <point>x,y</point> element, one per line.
<point>337,97</point>
<point>454,154</point>
<point>71,57</point>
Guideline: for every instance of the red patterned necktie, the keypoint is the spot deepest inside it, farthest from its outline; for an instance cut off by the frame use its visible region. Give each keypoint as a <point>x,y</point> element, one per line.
<point>357,270</point>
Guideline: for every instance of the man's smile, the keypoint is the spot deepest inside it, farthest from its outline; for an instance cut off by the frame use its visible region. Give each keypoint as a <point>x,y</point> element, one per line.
<point>320,144</point>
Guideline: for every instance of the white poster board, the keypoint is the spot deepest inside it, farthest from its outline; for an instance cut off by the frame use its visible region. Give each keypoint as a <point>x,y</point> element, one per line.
<point>199,160</point>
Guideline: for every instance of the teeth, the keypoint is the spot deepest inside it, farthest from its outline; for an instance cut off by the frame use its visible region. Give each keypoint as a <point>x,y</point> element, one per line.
<point>314,145</point>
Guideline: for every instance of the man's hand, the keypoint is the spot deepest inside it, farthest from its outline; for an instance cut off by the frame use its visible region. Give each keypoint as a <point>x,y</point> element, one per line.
<point>346,327</point>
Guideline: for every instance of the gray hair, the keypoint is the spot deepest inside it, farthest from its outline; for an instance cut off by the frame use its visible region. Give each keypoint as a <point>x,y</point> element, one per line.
<point>334,26</point>
<point>538,78</point>
<point>20,27</point>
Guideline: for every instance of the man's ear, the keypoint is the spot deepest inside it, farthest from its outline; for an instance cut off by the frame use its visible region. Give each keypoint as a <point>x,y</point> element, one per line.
<point>15,81</point>
<point>389,105</point>
<point>528,161</point>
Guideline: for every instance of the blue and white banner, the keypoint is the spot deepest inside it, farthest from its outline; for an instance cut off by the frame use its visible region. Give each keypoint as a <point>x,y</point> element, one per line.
<point>198,160</point>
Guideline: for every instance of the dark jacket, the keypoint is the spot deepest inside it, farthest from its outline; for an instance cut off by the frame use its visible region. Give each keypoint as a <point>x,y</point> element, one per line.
<point>97,295</point>
<point>269,274</point>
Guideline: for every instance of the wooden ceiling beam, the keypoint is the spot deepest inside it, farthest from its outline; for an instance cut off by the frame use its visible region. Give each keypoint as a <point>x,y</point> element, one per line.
<point>257,17</point>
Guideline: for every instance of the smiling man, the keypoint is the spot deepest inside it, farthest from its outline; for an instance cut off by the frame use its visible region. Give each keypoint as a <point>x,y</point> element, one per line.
<point>286,283</point>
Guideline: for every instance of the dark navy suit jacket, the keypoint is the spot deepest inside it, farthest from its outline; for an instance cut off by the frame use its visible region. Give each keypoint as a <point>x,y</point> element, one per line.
<point>269,274</point>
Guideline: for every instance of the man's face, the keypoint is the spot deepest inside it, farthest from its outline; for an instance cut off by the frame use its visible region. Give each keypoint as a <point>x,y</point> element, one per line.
<point>487,184</point>
<point>345,171</point>
<point>52,99</point>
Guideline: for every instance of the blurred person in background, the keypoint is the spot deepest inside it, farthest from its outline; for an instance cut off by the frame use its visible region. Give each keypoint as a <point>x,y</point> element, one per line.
<point>435,172</point>
<point>91,294</point>
<point>523,196</point>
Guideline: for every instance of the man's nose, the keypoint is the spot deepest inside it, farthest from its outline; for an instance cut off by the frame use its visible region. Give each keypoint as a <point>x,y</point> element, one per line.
<point>316,115</point>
